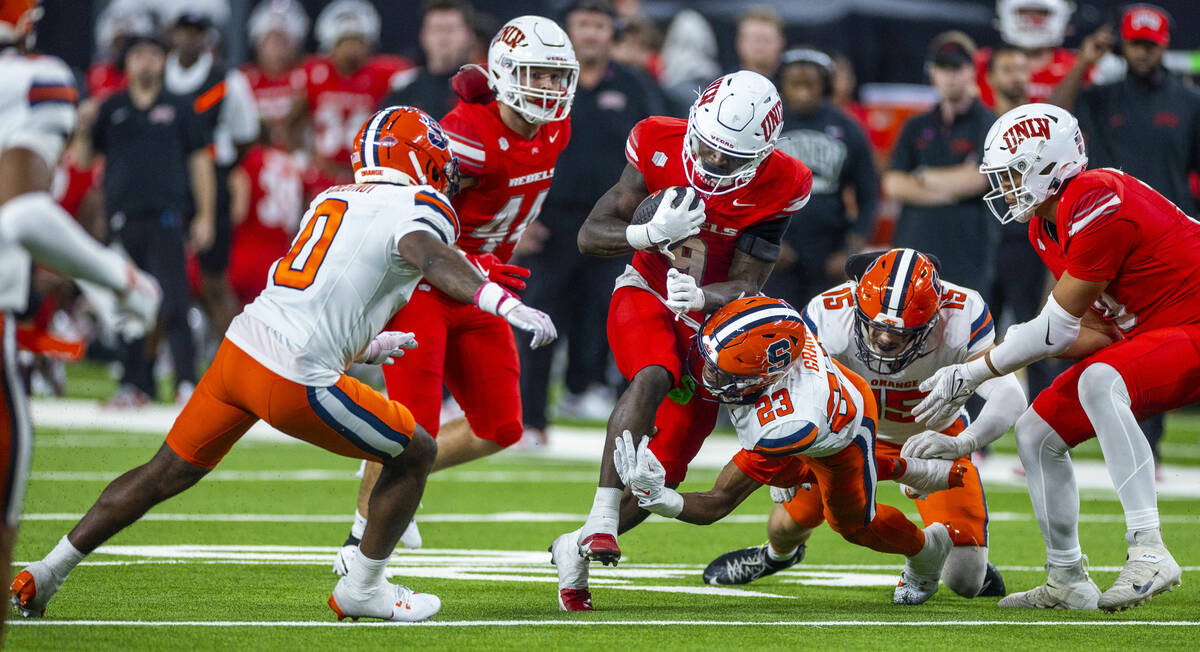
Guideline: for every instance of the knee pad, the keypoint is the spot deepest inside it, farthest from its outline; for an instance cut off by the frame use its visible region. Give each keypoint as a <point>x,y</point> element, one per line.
<point>965,569</point>
<point>1100,386</point>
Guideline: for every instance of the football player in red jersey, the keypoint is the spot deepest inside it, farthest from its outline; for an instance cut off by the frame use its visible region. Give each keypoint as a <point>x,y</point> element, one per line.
<point>506,148</point>
<point>343,87</point>
<point>1038,27</point>
<point>267,196</point>
<point>1127,301</point>
<point>277,29</point>
<point>687,262</point>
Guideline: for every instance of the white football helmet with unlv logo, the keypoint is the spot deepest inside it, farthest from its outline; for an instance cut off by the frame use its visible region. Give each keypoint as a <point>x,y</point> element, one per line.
<point>731,130</point>
<point>525,43</point>
<point>1028,154</point>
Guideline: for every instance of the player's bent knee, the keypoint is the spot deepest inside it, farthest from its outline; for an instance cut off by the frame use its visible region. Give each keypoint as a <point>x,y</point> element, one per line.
<point>419,454</point>
<point>1099,386</point>
<point>1033,434</point>
<point>653,380</point>
<point>168,473</point>
<point>506,435</point>
<point>965,570</point>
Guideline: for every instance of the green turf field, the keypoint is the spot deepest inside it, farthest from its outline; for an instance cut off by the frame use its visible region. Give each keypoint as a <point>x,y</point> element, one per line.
<point>248,552</point>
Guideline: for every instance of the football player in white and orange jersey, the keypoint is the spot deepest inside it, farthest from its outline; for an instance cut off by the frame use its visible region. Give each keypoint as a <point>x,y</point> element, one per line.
<point>798,415</point>
<point>508,144</point>
<point>37,113</point>
<point>342,86</point>
<point>894,326</point>
<point>361,251</point>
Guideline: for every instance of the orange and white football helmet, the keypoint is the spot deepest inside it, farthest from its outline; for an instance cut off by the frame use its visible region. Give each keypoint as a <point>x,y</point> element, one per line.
<point>897,301</point>
<point>747,345</point>
<point>17,18</point>
<point>402,144</point>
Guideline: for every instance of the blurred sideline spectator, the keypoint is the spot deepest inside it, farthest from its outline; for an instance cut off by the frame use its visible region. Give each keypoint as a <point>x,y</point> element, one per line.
<point>1008,76</point>
<point>222,99</point>
<point>277,31</point>
<point>1147,124</point>
<point>267,196</point>
<point>343,86</point>
<point>638,42</point>
<point>934,171</point>
<point>155,164</point>
<point>446,39</point>
<point>120,20</point>
<point>610,99</point>
<point>835,148</point>
<point>1038,28</point>
<point>689,60</point>
<point>760,41</point>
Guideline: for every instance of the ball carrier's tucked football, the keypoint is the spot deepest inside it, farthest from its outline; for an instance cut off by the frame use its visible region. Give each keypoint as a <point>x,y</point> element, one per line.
<point>666,218</point>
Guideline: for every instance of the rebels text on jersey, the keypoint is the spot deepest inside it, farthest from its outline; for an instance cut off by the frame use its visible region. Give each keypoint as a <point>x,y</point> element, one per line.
<point>963,330</point>
<point>341,281</point>
<point>1111,226</point>
<point>339,104</point>
<point>781,187</point>
<point>814,410</point>
<point>512,173</point>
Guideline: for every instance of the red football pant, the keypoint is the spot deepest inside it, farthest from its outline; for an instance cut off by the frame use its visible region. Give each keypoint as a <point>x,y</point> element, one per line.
<point>1161,370</point>
<point>643,333</point>
<point>472,352</point>
<point>845,483</point>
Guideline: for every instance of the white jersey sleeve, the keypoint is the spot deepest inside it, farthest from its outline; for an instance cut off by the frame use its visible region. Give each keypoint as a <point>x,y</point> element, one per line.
<point>37,104</point>
<point>969,328</point>
<point>830,316</point>
<point>814,410</point>
<point>341,281</point>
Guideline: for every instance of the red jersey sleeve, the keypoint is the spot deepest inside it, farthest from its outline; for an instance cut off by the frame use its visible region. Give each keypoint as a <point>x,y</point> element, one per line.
<point>636,134</point>
<point>802,190</point>
<point>465,142</point>
<point>1097,239</point>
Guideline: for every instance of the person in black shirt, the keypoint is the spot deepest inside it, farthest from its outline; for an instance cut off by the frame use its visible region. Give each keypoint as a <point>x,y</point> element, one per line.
<point>156,169</point>
<point>446,39</point>
<point>609,100</point>
<point>934,171</point>
<point>835,148</point>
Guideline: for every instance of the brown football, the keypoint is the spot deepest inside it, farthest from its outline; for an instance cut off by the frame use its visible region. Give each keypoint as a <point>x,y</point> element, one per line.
<point>645,210</point>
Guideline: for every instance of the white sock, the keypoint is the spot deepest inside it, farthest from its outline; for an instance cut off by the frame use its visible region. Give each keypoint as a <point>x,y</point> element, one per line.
<point>775,555</point>
<point>63,559</point>
<point>605,512</point>
<point>366,573</point>
<point>1144,537</point>
<point>1127,454</point>
<point>360,525</point>
<point>1052,490</point>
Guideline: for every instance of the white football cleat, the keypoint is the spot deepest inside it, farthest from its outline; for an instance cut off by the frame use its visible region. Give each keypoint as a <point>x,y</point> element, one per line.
<point>922,572</point>
<point>1149,570</point>
<point>411,538</point>
<point>387,602</point>
<point>572,566</point>
<point>33,588</point>
<point>1056,594</point>
<point>344,557</point>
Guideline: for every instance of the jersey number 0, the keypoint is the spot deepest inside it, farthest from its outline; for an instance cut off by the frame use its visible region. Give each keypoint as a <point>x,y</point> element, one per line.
<point>298,269</point>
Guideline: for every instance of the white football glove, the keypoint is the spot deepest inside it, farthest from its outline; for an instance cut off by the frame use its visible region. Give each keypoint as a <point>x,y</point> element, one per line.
<point>492,297</point>
<point>782,495</point>
<point>640,470</point>
<point>387,346</point>
<point>669,224</point>
<point>137,307</point>
<point>949,388</point>
<point>935,445</point>
<point>683,295</point>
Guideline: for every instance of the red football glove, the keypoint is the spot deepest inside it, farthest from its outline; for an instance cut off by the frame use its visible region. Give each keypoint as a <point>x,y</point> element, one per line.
<point>471,85</point>
<point>496,271</point>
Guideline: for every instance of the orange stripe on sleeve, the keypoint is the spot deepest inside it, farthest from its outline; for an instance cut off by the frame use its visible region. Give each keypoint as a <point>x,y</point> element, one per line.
<point>209,98</point>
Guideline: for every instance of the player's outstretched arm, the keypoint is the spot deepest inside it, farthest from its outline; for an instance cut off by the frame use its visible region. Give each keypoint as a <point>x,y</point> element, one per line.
<point>604,231</point>
<point>731,488</point>
<point>30,217</point>
<point>449,271</point>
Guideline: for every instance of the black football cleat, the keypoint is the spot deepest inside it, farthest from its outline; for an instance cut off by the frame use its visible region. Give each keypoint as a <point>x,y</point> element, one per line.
<point>993,584</point>
<point>746,565</point>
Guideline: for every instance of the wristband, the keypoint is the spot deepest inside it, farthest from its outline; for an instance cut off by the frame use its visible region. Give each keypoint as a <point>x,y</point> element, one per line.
<point>491,297</point>
<point>638,236</point>
<point>669,505</point>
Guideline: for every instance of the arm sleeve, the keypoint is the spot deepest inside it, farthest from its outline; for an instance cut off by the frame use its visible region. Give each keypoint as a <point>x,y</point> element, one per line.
<point>866,182</point>
<point>903,157</point>
<point>1004,402</point>
<point>466,144</point>
<point>56,240</point>
<point>762,240</point>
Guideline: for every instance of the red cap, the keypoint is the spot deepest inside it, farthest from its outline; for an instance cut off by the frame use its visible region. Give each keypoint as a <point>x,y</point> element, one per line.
<point>1145,23</point>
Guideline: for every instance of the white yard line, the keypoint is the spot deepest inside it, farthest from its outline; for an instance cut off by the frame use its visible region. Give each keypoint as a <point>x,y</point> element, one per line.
<point>607,623</point>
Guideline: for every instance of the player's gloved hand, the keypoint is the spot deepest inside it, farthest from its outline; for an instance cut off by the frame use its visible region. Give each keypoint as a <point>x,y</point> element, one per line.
<point>491,297</point>
<point>470,83</point>
<point>683,295</point>
<point>782,495</point>
<point>949,388</point>
<point>935,445</point>
<point>386,346</point>
<point>137,306</point>
<point>669,224</point>
<point>510,276</point>
<point>640,470</point>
